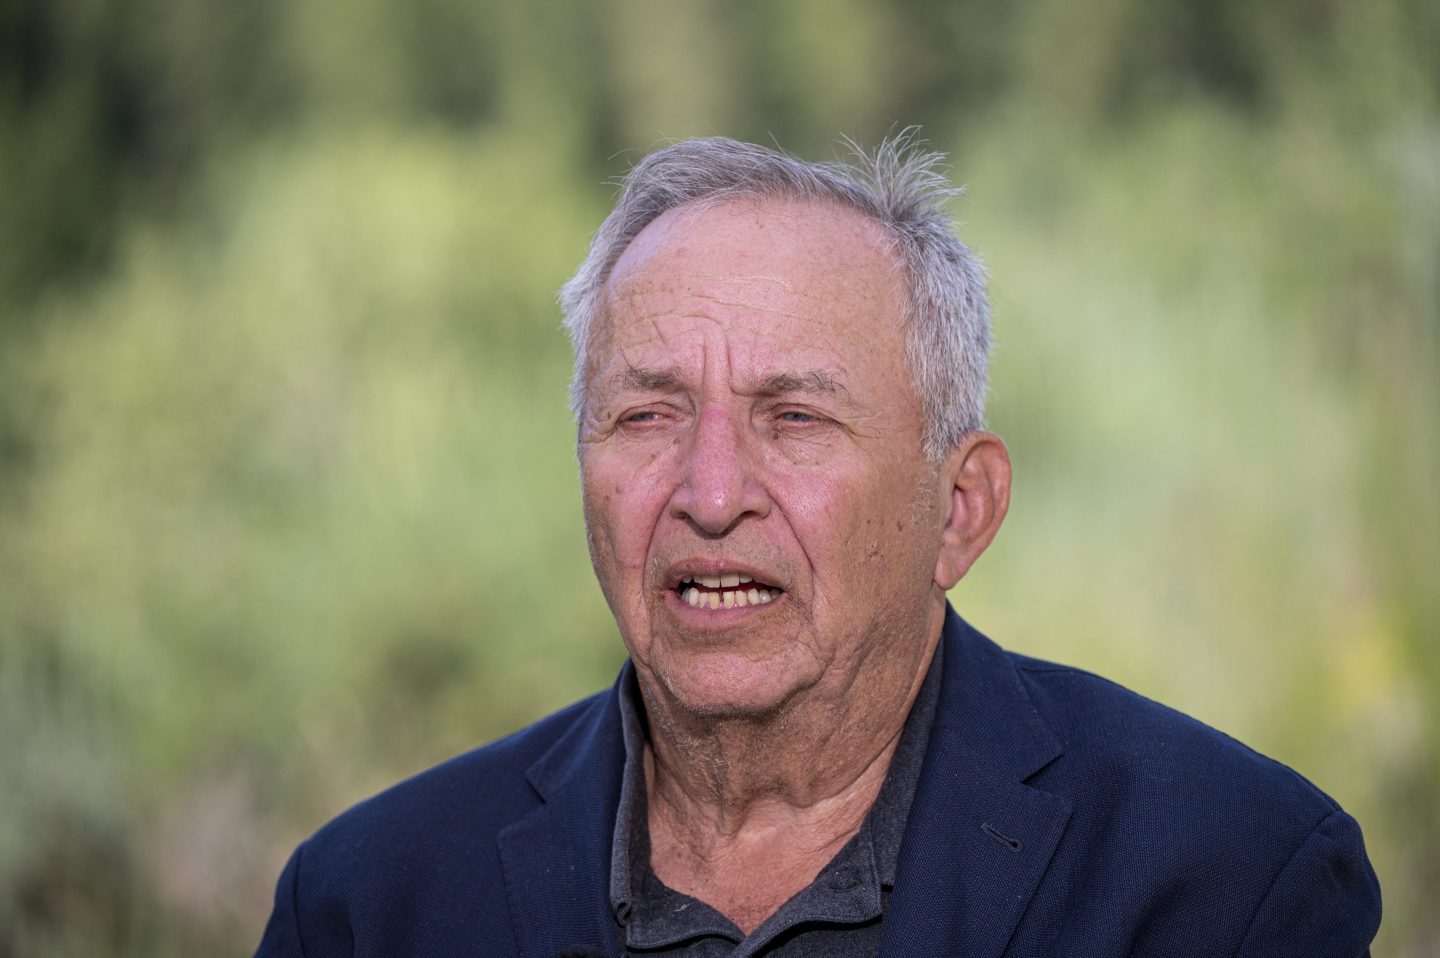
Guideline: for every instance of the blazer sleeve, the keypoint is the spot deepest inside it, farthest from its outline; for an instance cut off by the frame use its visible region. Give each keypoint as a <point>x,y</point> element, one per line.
<point>1324,903</point>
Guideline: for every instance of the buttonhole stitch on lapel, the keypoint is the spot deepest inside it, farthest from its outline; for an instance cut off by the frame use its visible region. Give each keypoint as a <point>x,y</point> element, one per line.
<point>1011,843</point>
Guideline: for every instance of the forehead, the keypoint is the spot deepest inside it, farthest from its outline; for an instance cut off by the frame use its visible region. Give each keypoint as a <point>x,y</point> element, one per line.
<point>785,275</point>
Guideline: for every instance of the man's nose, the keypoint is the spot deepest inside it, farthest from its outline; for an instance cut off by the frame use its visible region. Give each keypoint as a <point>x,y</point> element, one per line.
<point>719,482</point>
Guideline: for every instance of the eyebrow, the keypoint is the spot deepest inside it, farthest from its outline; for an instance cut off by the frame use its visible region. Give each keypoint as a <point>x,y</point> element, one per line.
<point>646,379</point>
<point>809,382</point>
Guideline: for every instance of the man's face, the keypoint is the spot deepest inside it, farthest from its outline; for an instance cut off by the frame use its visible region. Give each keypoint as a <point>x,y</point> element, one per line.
<point>751,416</point>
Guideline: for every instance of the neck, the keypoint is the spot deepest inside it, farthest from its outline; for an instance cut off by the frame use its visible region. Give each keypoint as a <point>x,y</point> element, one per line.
<point>776,794</point>
<point>811,755</point>
<point>825,742</point>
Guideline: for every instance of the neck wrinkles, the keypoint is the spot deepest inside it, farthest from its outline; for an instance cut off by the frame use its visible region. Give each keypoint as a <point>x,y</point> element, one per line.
<point>812,769</point>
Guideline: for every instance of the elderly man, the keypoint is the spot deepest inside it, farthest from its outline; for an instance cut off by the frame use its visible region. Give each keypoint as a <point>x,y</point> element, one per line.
<point>780,371</point>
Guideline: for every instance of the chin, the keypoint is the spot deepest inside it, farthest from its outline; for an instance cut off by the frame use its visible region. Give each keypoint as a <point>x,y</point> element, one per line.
<point>728,685</point>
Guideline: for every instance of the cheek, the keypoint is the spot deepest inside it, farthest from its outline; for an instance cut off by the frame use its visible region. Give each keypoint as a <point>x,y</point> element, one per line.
<point>831,519</point>
<point>623,501</point>
<point>862,531</point>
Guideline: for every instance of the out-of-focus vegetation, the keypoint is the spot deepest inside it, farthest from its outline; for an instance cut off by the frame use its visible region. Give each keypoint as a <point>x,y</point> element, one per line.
<point>287,491</point>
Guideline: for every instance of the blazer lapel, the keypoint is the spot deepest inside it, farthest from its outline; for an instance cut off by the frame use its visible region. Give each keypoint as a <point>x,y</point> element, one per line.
<point>978,839</point>
<point>557,858</point>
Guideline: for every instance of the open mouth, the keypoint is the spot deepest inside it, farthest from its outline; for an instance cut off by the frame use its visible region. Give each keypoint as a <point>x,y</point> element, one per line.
<point>728,590</point>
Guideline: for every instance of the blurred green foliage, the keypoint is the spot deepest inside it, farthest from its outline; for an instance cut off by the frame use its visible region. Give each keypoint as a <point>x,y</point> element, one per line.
<point>287,489</point>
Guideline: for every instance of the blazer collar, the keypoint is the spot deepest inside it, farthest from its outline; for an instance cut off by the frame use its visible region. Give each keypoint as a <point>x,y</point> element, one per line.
<point>556,859</point>
<point>976,844</point>
<point>985,704</point>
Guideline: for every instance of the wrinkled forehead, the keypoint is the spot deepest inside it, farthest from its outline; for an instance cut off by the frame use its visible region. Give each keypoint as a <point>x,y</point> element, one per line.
<point>804,265</point>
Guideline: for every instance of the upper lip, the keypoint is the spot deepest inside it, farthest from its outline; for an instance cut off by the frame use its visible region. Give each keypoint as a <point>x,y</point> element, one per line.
<point>678,572</point>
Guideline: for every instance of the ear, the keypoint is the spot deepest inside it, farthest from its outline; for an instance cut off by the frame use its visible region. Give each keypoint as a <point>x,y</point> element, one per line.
<point>977,474</point>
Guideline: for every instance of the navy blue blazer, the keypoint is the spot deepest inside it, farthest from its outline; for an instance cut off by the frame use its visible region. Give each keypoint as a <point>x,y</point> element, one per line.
<point>1057,815</point>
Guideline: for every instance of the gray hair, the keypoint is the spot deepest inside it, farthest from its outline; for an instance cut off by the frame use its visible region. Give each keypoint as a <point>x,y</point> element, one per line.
<point>899,185</point>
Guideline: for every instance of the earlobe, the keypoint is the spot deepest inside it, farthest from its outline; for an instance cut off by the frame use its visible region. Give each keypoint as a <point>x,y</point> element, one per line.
<point>977,472</point>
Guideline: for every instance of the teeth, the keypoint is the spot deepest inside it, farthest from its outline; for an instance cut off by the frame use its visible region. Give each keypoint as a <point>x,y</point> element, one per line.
<point>703,592</point>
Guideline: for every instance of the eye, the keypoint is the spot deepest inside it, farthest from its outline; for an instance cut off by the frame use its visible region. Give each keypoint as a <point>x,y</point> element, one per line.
<point>641,420</point>
<point>798,421</point>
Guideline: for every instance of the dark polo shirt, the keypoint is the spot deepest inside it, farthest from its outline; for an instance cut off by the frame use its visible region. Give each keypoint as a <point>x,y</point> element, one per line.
<point>840,913</point>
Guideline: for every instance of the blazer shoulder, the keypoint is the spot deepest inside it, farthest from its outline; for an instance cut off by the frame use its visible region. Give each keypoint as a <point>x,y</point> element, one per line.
<point>462,800</point>
<point>1147,751</point>
<point>416,869</point>
<point>1179,822</point>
